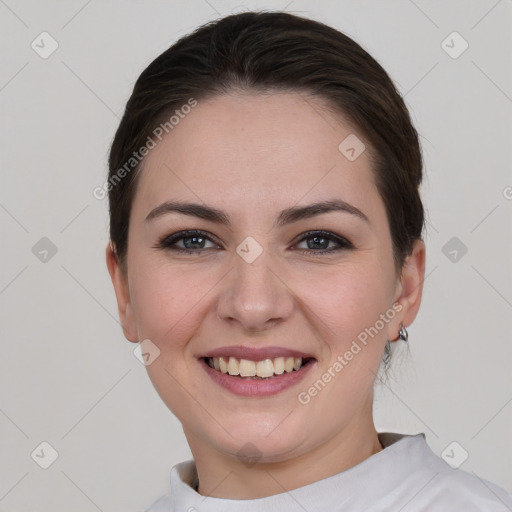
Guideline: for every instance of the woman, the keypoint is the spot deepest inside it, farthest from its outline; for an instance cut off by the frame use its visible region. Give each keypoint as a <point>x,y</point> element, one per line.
<point>266,250</point>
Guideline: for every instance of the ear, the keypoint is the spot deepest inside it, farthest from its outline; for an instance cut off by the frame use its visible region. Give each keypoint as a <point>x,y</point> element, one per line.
<point>409,289</point>
<point>124,306</point>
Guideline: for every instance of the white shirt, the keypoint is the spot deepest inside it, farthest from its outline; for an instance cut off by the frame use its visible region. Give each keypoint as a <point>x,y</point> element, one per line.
<point>405,476</point>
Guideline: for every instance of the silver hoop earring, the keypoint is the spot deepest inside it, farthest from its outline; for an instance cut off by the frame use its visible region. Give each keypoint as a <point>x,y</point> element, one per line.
<point>403,334</point>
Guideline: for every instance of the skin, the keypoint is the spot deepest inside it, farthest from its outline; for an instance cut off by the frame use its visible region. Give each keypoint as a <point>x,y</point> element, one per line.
<point>252,156</point>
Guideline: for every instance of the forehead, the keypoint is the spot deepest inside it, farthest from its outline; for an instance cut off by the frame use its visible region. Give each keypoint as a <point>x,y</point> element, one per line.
<point>245,150</point>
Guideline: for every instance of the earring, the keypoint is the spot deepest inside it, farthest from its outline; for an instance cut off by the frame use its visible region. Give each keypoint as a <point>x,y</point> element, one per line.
<point>403,334</point>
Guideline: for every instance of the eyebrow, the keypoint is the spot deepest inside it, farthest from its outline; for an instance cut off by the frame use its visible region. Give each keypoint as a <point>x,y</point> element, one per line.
<point>286,216</point>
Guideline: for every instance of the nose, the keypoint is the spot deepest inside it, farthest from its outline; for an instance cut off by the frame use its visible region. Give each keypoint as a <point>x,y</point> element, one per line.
<point>254,295</point>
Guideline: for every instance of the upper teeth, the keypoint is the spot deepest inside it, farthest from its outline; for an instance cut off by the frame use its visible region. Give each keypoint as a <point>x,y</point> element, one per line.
<point>247,368</point>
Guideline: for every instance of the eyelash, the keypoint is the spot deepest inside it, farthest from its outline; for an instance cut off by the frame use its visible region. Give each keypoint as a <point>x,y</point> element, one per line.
<point>169,242</point>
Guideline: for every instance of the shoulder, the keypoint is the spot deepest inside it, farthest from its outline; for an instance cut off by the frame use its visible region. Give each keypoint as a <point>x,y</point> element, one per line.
<point>162,504</point>
<point>468,492</point>
<point>435,485</point>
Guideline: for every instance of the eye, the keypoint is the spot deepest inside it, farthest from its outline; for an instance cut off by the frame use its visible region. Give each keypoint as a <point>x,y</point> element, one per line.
<point>191,241</point>
<point>196,241</point>
<point>323,242</point>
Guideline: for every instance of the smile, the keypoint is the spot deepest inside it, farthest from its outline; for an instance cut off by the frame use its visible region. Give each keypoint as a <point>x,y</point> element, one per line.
<point>249,378</point>
<point>264,369</point>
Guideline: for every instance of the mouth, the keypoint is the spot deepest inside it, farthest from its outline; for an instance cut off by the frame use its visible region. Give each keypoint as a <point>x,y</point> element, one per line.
<point>256,371</point>
<point>269,368</point>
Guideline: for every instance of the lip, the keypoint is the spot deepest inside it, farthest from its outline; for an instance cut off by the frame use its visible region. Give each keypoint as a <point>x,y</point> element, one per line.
<point>256,354</point>
<point>257,387</point>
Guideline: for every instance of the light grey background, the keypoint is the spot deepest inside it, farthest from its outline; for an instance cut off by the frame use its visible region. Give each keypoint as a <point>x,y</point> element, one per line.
<point>70,378</point>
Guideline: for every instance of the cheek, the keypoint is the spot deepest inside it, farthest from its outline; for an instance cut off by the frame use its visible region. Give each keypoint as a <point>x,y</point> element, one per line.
<point>170,305</point>
<point>347,299</point>
<point>167,301</point>
<point>350,303</point>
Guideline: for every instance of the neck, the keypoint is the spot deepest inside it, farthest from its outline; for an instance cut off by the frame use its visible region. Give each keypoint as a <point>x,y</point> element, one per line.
<point>225,476</point>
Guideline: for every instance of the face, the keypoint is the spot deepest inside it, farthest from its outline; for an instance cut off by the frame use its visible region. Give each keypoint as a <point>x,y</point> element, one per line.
<point>255,271</point>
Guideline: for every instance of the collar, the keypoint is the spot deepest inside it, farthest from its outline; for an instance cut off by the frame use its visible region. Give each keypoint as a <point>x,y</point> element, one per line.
<point>360,486</point>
